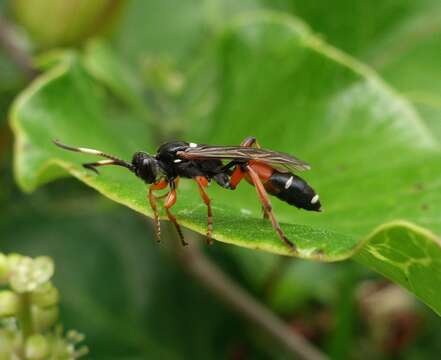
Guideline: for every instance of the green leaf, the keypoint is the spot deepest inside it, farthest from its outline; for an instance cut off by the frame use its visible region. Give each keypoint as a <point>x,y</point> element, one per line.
<point>408,255</point>
<point>413,67</point>
<point>375,164</point>
<point>101,62</point>
<point>401,39</point>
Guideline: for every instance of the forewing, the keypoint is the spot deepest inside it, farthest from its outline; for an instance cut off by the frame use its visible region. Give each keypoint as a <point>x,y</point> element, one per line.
<point>281,161</point>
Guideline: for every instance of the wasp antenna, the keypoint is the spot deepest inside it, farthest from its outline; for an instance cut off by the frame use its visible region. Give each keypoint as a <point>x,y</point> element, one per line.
<point>92,167</point>
<point>84,150</point>
<point>115,160</point>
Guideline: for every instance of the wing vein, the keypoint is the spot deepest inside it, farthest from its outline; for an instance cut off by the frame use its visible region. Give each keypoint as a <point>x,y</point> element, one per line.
<point>281,161</point>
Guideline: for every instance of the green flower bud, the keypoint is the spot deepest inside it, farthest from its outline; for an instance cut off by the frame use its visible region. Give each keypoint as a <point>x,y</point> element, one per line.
<point>37,347</point>
<point>44,318</point>
<point>28,274</point>
<point>74,336</point>
<point>45,296</point>
<point>9,303</point>
<point>65,22</point>
<point>13,259</point>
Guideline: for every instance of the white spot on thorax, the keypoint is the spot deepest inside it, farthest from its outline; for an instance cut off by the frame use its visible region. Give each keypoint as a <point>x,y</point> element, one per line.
<point>315,199</point>
<point>193,145</point>
<point>289,182</point>
<point>177,160</point>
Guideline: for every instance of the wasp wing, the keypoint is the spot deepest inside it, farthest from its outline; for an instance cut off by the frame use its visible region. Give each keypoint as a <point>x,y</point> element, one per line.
<point>279,160</point>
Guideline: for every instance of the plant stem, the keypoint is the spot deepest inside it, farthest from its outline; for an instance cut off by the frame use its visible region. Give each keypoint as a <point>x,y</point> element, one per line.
<point>231,293</point>
<point>25,317</point>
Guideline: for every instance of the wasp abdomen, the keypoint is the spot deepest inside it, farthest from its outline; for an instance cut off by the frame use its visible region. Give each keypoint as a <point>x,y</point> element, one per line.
<point>293,190</point>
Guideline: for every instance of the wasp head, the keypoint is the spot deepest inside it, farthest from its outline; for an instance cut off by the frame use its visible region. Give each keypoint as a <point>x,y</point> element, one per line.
<point>146,167</point>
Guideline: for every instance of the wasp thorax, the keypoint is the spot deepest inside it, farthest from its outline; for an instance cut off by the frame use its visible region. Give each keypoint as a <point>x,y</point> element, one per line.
<point>146,167</point>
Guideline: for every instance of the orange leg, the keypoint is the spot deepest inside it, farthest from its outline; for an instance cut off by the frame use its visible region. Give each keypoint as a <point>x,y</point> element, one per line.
<point>249,142</point>
<point>153,204</point>
<point>203,183</point>
<point>263,196</point>
<point>236,177</point>
<point>169,202</point>
<point>264,213</point>
<point>238,174</point>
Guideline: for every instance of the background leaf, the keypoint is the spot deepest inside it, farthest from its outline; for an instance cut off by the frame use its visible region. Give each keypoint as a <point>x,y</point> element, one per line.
<point>400,39</point>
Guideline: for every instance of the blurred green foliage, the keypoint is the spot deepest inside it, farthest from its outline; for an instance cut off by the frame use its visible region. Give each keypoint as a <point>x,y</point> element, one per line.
<point>179,69</point>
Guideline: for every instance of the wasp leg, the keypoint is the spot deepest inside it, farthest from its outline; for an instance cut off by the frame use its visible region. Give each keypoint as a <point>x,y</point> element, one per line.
<point>152,199</point>
<point>263,196</point>
<point>238,174</point>
<point>169,202</point>
<point>161,196</point>
<point>250,141</point>
<point>164,195</point>
<point>236,177</point>
<point>264,213</point>
<point>203,183</point>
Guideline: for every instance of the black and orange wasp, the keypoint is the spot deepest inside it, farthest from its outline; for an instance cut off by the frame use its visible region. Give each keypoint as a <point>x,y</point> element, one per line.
<point>270,172</point>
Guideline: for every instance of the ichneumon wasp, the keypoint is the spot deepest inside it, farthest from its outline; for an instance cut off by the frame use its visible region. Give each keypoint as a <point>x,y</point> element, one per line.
<point>270,172</point>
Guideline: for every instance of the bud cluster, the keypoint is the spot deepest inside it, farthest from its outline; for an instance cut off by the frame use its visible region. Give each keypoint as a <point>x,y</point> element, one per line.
<point>29,312</point>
